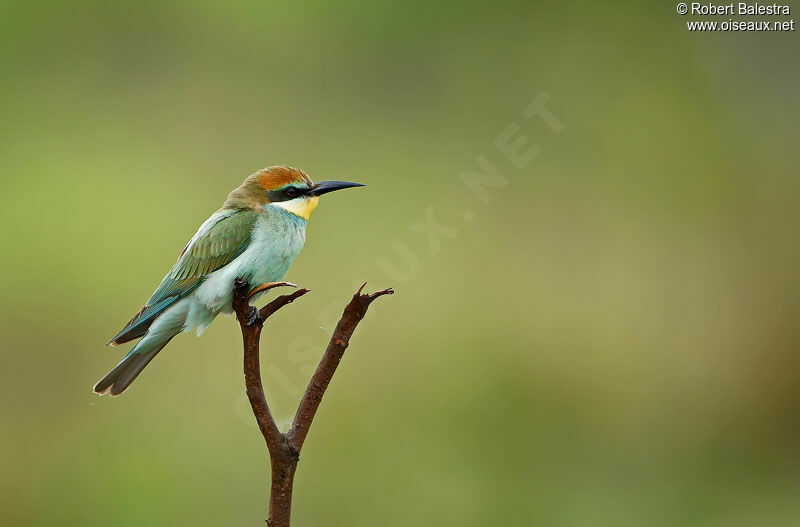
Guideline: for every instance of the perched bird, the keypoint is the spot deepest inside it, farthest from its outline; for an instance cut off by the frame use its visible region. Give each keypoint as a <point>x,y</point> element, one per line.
<point>256,236</point>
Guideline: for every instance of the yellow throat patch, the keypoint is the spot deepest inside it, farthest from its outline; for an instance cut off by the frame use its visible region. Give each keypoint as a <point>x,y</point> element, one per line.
<point>300,207</point>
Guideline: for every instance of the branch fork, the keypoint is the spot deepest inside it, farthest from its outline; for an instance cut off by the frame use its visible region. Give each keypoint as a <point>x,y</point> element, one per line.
<point>284,448</point>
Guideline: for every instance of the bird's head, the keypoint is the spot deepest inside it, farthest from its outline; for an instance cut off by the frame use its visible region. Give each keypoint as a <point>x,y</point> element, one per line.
<point>285,187</point>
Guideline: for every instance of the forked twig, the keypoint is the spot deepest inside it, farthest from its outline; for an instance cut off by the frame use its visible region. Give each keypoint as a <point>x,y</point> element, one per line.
<point>284,449</point>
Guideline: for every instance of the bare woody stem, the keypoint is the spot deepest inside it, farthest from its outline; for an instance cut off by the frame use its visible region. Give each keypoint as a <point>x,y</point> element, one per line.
<point>284,449</point>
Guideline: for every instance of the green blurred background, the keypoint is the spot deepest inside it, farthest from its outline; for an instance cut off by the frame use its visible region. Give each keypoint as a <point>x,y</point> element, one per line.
<point>611,341</point>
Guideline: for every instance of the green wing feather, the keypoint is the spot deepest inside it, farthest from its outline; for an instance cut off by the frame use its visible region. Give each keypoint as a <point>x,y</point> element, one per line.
<point>210,249</point>
<point>223,242</point>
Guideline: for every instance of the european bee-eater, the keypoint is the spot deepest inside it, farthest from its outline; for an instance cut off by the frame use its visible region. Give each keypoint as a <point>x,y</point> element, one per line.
<point>256,235</point>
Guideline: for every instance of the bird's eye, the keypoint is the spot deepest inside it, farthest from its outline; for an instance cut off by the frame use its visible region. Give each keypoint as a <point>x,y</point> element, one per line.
<point>292,192</point>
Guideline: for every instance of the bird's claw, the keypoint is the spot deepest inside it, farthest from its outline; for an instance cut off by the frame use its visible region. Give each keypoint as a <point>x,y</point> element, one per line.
<point>251,316</point>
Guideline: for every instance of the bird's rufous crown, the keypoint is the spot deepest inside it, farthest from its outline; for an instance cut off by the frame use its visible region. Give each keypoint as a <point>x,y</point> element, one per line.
<point>275,177</point>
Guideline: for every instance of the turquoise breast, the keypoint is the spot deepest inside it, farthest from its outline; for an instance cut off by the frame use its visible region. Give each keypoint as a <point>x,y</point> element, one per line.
<point>279,237</point>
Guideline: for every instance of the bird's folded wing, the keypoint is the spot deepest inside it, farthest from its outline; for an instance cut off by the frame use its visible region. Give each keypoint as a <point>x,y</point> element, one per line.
<point>223,237</point>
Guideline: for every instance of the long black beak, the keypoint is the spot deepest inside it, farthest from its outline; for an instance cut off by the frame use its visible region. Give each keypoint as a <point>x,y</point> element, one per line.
<point>323,187</point>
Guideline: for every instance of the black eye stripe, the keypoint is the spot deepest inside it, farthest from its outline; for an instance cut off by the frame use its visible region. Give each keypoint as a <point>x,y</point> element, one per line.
<point>285,194</point>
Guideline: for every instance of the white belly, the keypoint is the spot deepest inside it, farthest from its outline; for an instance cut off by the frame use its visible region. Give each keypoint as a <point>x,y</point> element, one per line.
<point>277,239</point>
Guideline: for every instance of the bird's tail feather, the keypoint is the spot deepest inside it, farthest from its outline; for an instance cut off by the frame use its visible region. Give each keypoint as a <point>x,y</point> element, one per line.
<point>124,373</point>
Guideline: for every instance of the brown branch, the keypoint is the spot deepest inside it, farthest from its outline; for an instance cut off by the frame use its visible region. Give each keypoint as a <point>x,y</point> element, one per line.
<point>352,315</point>
<point>284,449</point>
<point>251,321</point>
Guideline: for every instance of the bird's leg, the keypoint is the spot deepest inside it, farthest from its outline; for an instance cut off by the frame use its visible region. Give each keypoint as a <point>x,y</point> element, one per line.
<point>252,316</point>
<point>241,299</point>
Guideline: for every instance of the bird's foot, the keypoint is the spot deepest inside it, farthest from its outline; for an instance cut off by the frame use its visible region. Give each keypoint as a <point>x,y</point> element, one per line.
<point>252,316</point>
